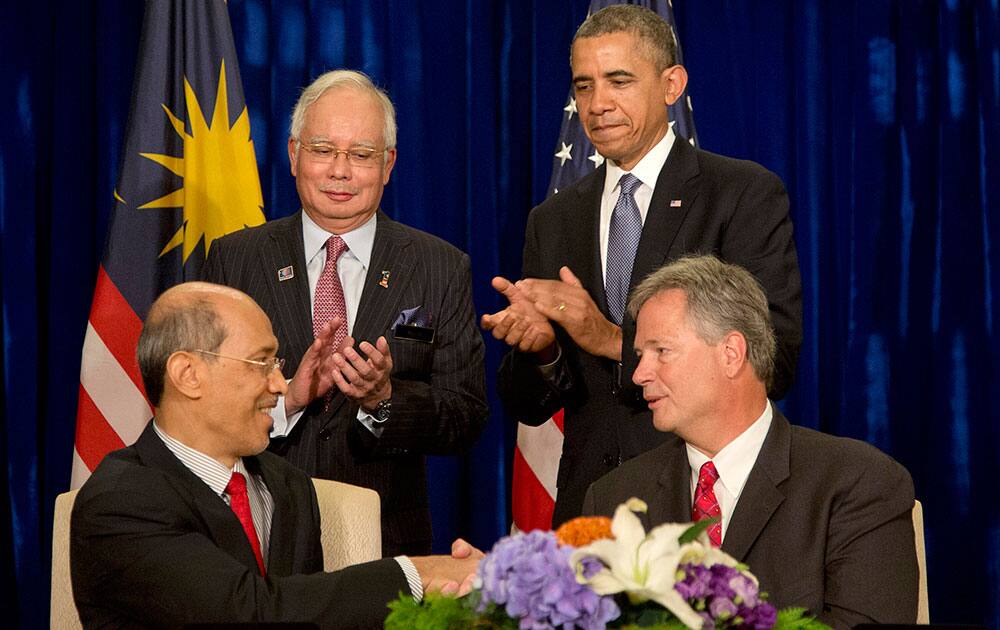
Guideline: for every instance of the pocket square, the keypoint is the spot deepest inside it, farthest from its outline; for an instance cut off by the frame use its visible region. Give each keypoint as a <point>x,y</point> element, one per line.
<point>415,316</point>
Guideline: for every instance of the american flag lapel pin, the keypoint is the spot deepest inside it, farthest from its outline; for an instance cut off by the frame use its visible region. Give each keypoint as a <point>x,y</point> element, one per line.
<point>286,273</point>
<point>675,203</point>
<point>384,282</point>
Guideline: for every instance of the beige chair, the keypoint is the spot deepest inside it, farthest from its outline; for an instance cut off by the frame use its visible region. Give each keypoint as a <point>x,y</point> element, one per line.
<point>62,613</point>
<point>349,532</point>
<point>923,607</point>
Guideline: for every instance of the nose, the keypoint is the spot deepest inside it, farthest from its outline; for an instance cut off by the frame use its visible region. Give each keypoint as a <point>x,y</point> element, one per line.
<point>340,167</point>
<point>276,382</point>
<point>601,100</point>
<point>643,372</point>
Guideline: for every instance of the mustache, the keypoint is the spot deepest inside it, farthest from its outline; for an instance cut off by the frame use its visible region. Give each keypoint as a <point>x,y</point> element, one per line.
<point>338,188</point>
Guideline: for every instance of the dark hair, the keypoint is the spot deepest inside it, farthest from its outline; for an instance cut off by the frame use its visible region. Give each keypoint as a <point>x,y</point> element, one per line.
<point>721,298</point>
<point>193,324</point>
<point>656,37</point>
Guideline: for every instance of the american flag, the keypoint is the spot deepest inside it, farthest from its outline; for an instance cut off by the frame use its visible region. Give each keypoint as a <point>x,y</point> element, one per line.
<point>536,457</point>
<point>188,176</point>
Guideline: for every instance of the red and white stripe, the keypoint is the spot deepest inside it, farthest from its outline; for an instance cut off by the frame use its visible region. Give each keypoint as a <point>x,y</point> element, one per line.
<point>536,468</point>
<point>113,409</point>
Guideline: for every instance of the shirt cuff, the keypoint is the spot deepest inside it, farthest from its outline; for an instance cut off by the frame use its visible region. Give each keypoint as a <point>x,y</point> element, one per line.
<point>412,577</point>
<point>549,370</point>
<point>282,425</point>
<point>370,423</point>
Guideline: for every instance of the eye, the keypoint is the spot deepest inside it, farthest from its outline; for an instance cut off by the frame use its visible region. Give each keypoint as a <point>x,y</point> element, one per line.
<point>582,87</point>
<point>361,155</point>
<point>320,149</point>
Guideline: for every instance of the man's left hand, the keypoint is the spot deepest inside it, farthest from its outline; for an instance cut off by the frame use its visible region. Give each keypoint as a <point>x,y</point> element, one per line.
<point>567,302</point>
<point>364,381</point>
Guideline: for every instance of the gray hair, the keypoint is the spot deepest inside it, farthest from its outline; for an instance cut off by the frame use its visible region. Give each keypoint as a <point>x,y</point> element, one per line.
<point>721,298</point>
<point>656,37</point>
<point>344,78</point>
<point>172,326</point>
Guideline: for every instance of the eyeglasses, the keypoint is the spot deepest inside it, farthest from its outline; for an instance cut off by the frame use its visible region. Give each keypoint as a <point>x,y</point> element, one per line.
<point>325,153</point>
<point>267,365</point>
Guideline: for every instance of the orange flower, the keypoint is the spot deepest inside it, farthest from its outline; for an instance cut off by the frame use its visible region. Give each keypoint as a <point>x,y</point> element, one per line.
<point>584,530</point>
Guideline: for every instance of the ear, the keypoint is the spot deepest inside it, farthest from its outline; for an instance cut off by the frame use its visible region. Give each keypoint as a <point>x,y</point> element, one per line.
<point>733,353</point>
<point>293,155</point>
<point>675,80</point>
<point>184,374</point>
<point>390,161</point>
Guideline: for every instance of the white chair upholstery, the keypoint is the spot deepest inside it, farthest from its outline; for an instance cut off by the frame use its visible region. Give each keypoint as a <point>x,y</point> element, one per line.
<point>923,607</point>
<point>350,525</point>
<point>62,614</point>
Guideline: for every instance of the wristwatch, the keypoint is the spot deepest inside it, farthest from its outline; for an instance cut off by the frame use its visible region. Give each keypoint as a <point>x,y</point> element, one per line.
<point>381,411</point>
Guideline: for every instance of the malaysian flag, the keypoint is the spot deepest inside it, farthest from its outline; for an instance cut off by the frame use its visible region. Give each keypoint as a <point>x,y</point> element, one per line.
<point>536,457</point>
<point>188,176</point>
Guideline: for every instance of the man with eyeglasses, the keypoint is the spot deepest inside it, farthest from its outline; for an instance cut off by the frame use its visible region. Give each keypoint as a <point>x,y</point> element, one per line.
<point>375,318</point>
<point>196,522</point>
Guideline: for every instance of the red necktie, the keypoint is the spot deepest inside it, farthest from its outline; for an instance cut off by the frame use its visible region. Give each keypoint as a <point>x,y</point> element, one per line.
<point>705,504</point>
<point>240,503</point>
<point>329,299</point>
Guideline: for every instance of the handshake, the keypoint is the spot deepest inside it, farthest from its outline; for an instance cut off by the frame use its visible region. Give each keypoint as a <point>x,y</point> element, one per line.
<point>449,575</point>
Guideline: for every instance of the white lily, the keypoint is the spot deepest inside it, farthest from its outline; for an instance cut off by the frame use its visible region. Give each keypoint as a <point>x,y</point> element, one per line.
<point>642,565</point>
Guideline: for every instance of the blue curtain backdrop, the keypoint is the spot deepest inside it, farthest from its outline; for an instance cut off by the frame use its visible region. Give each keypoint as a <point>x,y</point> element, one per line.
<point>880,116</point>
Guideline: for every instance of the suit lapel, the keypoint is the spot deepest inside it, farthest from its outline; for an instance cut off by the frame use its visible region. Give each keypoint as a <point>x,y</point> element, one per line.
<point>761,496</point>
<point>584,256</point>
<point>223,526</point>
<point>291,296</point>
<point>380,305</point>
<point>676,183</point>
<point>673,501</point>
<point>278,562</point>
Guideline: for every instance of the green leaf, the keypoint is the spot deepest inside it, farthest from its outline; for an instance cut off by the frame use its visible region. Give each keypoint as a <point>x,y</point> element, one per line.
<point>695,530</point>
<point>798,619</point>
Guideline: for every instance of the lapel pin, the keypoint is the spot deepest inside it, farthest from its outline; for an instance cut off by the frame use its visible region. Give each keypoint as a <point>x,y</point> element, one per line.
<point>286,273</point>
<point>384,282</point>
<point>675,203</point>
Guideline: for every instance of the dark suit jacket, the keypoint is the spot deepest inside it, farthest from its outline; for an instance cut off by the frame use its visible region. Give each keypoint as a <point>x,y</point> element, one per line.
<point>153,546</point>
<point>734,209</point>
<point>823,522</point>
<point>438,390</point>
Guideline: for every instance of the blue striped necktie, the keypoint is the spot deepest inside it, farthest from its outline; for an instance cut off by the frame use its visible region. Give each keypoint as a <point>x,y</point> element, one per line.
<point>623,241</point>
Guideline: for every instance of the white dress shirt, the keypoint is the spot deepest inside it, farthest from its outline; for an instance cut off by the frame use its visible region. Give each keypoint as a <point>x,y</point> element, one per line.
<point>734,463</point>
<point>647,171</point>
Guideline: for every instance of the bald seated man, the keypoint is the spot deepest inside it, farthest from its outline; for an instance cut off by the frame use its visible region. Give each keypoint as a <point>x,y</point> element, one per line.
<point>197,522</point>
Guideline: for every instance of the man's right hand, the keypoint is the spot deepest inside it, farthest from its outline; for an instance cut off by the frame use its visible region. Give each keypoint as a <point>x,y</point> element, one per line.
<point>314,377</point>
<point>521,325</point>
<point>449,575</point>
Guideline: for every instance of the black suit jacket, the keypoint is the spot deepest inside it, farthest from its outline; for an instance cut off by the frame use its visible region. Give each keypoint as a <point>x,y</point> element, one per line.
<point>152,546</point>
<point>734,209</point>
<point>438,390</point>
<point>823,522</point>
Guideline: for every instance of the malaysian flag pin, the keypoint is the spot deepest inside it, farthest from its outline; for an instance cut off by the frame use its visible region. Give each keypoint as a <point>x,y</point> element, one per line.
<point>384,282</point>
<point>675,203</point>
<point>286,273</point>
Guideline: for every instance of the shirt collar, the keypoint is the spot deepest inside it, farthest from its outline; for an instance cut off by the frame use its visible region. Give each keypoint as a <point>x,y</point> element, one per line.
<point>736,459</point>
<point>212,472</point>
<point>649,167</point>
<point>359,240</point>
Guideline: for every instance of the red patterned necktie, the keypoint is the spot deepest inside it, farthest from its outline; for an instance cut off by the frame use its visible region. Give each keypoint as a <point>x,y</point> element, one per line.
<point>705,504</point>
<point>240,503</point>
<point>329,299</point>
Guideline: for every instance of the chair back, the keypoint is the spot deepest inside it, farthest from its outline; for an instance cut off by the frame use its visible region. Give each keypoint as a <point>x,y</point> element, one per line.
<point>350,525</point>
<point>923,607</point>
<point>62,610</point>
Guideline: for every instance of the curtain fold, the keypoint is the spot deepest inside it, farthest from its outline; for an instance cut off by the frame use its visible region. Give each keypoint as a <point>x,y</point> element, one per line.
<point>880,116</point>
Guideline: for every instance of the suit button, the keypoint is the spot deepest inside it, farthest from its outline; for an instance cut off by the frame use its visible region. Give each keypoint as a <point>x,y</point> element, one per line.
<point>325,434</point>
<point>608,460</point>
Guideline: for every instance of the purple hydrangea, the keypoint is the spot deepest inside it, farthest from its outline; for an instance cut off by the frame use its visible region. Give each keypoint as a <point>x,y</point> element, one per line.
<point>530,577</point>
<point>725,597</point>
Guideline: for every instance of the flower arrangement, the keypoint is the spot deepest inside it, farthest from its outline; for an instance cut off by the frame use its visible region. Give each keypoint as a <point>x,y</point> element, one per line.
<point>596,573</point>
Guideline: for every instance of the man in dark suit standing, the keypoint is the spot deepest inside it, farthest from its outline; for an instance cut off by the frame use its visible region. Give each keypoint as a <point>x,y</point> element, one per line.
<point>654,198</point>
<point>824,522</point>
<point>374,318</point>
<point>196,522</point>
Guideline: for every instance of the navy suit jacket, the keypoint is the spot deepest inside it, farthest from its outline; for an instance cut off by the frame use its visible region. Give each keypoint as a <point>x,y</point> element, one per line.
<point>734,209</point>
<point>152,546</point>
<point>824,522</point>
<point>438,388</point>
